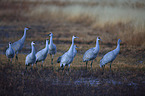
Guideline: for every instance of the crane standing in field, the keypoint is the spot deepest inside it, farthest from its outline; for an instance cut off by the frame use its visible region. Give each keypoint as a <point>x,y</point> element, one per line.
<point>91,54</point>
<point>10,52</point>
<point>67,57</point>
<point>51,48</point>
<point>110,56</point>
<point>17,46</point>
<point>42,54</point>
<point>31,58</point>
<point>74,54</point>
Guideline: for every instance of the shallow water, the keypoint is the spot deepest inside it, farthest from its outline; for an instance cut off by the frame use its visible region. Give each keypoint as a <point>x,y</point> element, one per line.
<point>91,82</point>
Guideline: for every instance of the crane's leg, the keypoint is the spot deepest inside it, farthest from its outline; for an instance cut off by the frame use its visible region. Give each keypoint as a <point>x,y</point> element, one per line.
<point>25,70</point>
<point>68,67</point>
<point>52,59</point>
<point>42,64</point>
<point>103,67</point>
<point>62,68</point>
<point>16,55</point>
<point>31,67</point>
<point>36,65</point>
<point>110,66</point>
<point>86,65</point>
<point>26,67</point>
<point>91,64</point>
<point>11,60</point>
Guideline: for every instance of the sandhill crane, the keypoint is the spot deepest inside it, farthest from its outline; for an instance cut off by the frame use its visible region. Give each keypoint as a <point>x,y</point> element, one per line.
<point>42,54</point>
<point>110,56</point>
<point>31,58</point>
<point>10,52</point>
<point>51,48</point>
<point>91,54</point>
<point>17,46</point>
<point>67,57</point>
<point>74,54</point>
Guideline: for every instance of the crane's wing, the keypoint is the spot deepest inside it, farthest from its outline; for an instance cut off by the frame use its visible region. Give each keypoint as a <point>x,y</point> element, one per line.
<point>52,50</point>
<point>66,59</point>
<point>89,55</point>
<point>41,55</point>
<point>16,46</point>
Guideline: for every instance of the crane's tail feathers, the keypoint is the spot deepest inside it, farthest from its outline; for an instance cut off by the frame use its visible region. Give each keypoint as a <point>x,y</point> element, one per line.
<point>59,59</point>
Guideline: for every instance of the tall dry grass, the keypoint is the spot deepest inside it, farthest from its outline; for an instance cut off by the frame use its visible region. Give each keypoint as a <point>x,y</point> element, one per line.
<point>128,18</point>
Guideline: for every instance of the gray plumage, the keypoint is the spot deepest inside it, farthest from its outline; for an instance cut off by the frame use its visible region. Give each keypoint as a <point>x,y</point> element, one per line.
<point>51,48</point>
<point>42,54</point>
<point>10,52</point>
<point>74,54</point>
<point>110,56</point>
<point>31,58</point>
<point>17,46</point>
<point>91,54</point>
<point>67,57</point>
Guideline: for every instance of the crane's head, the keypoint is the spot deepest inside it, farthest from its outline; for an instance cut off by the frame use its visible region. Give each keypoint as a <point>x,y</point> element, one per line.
<point>10,43</point>
<point>50,34</point>
<point>32,43</point>
<point>75,37</point>
<point>119,40</point>
<point>98,38</point>
<point>26,28</point>
<point>47,40</point>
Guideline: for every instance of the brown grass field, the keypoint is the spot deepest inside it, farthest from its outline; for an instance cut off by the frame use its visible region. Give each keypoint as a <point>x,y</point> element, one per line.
<point>109,19</point>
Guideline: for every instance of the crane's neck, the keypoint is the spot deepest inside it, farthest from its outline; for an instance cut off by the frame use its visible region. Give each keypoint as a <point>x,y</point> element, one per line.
<point>46,46</point>
<point>71,47</point>
<point>24,36</point>
<point>117,48</point>
<point>10,46</point>
<point>33,50</point>
<point>51,41</point>
<point>97,45</point>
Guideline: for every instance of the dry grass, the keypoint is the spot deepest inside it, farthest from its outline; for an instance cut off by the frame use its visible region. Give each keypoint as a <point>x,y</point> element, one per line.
<point>121,19</point>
